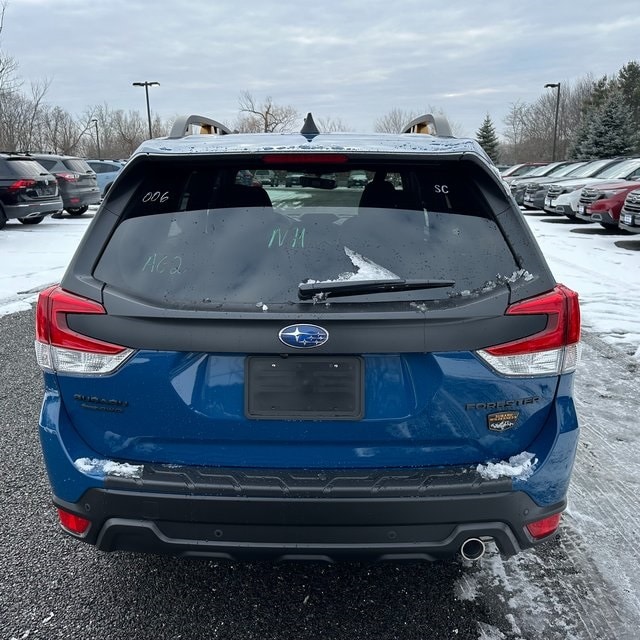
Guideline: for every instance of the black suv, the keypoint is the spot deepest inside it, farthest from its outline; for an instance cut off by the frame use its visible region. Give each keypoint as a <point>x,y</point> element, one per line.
<point>76,179</point>
<point>28,192</point>
<point>235,371</point>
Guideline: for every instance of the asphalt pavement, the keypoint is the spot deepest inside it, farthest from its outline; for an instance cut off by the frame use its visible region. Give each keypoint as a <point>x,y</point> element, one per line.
<point>54,587</point>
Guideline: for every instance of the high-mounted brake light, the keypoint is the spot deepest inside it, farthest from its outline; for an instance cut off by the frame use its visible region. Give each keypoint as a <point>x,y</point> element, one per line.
<point>305,158</point>
<point>552,351</point>
<point>59,348</point>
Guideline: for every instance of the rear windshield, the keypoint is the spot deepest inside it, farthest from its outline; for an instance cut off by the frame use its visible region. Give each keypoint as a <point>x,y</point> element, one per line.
<point>197,236</point>
<point>25,168</point>
<point>76,164</point>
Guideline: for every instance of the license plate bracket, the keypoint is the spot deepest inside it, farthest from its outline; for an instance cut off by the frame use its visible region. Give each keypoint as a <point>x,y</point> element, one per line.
<point>304,387</point>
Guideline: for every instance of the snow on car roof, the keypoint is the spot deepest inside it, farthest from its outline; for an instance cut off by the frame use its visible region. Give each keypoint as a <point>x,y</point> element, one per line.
<point>328,142</point>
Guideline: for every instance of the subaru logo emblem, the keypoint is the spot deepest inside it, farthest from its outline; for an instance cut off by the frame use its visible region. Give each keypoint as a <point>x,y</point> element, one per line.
<point>303,336</point>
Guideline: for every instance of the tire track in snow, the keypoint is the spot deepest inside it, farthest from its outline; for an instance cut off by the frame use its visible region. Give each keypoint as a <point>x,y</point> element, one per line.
<point>585,585</point>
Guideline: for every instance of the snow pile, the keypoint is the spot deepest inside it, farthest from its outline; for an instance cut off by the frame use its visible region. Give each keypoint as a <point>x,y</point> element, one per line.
<point>109,468</point>
<point>365,270</point>
<point>520,466</point>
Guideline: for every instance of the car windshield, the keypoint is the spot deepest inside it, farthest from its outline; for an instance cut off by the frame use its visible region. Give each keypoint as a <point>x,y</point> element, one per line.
<point>200,238</point>
<point>567,169</point>
<point>621,170</point>
<point>589,169</point>
<point>539,171</point>
<point>76,164</point>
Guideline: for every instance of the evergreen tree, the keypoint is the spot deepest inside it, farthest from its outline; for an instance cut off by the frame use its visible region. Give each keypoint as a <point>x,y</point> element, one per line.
<point>582,147</point>
<point>610,132</point>
<point>488,139</point>
<point>629,83</point>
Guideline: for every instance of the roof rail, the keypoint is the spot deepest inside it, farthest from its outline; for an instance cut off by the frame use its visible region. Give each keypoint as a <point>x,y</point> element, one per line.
<point>435,125</point>
<point>207,126</point>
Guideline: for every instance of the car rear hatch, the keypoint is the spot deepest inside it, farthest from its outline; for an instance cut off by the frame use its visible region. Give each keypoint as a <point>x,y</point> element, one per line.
<point>32,182</point>
<point>414,323</point>
<point>79,183</point>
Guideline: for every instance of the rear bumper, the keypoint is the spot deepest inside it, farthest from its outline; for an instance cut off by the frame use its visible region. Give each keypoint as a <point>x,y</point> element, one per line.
<point>81,198</point>
<point>32,209</point>
<point>273,514</point>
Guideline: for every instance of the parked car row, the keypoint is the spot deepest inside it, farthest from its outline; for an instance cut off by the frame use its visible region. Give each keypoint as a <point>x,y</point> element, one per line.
<point>35,185</point>
<point>560,194</point>
<point>606,191</point>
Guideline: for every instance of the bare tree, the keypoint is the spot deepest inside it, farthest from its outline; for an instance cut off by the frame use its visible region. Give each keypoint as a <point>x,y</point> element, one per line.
<point>8,66</point>
<point>266,117</point>
<point>397,119</point>
<point>516,120</point>
<point>394,121</point>
<point>131,130</point>
<point>330,125</point>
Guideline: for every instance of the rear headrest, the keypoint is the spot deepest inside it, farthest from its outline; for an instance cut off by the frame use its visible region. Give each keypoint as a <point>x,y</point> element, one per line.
<point>379,193</point>
<point>239,195</point>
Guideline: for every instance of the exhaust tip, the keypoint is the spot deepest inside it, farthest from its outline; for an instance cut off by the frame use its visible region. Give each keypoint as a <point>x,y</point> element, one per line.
<point>472,549</point>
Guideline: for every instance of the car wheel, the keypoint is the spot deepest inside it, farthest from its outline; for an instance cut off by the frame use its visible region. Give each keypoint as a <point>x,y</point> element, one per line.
<point>76,211</point>
<point>609,225</point>
<point>36,220</point>
<point>3,218</point>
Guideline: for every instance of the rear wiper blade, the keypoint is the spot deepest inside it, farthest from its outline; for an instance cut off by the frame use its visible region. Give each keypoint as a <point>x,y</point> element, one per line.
<point>307,291</point>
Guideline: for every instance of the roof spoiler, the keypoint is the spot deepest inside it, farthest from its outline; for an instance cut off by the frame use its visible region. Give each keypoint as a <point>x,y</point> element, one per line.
<point>207,126</point>
<point>434,125</point>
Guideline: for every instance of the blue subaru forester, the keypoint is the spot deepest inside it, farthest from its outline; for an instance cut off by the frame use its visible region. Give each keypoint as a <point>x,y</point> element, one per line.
<point>313,371</point>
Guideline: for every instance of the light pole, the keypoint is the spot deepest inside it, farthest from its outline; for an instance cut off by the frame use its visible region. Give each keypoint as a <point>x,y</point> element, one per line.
<point>146,86</point>
<point>554,85</point>
<point>95,122</point>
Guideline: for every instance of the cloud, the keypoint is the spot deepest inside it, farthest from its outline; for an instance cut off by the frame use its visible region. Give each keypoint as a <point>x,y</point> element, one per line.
<point>352,60</point>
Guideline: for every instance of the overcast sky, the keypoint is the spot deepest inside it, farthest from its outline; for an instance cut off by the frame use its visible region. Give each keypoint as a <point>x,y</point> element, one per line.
<point>353,60</point>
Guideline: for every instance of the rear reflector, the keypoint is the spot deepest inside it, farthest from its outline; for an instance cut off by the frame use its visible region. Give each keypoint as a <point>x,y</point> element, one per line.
<point>73,524</point>
<point>552,351</point>
<point>59,348</point>
<point>545,527</point>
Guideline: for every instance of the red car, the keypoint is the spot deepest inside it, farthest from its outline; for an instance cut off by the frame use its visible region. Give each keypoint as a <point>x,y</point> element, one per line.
<point>602,202</point>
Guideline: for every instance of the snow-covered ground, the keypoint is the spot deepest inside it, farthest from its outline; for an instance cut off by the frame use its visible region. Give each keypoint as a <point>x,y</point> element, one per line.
<point>596,561</point>
<point>584,257</point>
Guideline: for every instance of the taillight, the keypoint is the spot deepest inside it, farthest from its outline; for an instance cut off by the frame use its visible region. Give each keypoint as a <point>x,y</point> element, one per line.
<point>545,527</point>
<point>59,348</point>
<point>77,525</point>
<point>552,351</point>
<point>68,177</point>
<point>21,184</point>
